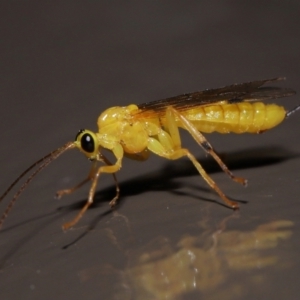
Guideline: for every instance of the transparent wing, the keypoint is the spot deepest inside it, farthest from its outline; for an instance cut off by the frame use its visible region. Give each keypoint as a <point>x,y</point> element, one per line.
<point>249,91</point>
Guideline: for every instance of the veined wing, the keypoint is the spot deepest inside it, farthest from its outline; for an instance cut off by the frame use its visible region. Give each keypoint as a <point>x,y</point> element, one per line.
<point>249,91</point>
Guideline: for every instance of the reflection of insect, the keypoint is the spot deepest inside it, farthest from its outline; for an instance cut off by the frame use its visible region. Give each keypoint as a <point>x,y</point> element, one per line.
<point>136,130</point>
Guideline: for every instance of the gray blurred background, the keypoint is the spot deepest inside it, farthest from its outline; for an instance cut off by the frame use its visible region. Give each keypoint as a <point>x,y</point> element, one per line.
<point>61,64</point>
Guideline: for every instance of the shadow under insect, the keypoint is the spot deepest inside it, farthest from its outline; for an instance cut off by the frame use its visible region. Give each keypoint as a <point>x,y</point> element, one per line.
<point>164,178</point>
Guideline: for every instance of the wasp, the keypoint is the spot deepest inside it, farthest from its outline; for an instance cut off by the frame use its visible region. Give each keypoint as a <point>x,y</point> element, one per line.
<point>135,131</point>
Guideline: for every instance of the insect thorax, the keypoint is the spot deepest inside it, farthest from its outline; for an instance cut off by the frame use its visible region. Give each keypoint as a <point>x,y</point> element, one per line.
<point>117,123</point>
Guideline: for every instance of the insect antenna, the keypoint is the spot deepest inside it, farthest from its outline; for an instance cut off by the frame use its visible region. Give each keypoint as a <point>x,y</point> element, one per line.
<point>292,111</point>
<point>43,163</point>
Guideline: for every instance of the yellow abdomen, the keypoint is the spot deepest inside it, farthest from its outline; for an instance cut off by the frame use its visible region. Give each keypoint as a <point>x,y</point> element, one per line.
<point>238,118</point>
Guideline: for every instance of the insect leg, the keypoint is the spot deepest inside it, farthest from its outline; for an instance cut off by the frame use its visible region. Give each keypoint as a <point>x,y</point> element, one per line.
<point>202,141</point>
<point>173,129</point>
<point>90,176</point>
<point>112,202</point>
<point>118,152</point>
<point>158,148</point>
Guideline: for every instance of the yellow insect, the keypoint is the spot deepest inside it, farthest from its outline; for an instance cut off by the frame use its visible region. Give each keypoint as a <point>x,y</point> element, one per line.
<point>136,130</point>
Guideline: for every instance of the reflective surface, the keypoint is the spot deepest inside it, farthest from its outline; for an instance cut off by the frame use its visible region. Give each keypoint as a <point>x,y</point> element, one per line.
<point>64,63</point>
<point>199,265</point>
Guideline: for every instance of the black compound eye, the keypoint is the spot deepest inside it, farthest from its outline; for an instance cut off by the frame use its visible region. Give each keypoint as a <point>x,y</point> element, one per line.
<point>87,143</point>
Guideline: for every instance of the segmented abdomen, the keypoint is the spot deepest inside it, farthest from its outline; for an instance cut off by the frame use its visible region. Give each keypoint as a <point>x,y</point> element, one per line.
<point>252,117</point>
